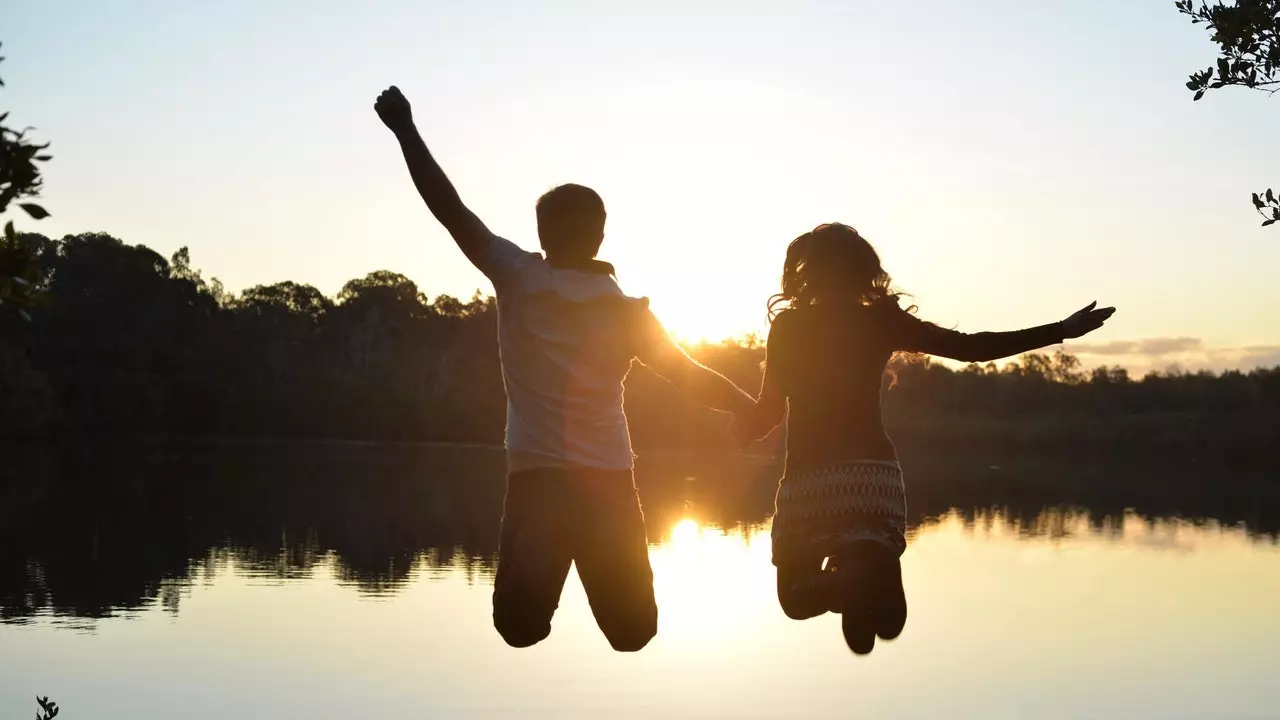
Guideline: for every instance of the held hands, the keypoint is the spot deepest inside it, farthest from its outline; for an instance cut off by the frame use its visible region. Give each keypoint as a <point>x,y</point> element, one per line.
<point>393,109</point>
<point>738,432</point>
<point>1085,321</point>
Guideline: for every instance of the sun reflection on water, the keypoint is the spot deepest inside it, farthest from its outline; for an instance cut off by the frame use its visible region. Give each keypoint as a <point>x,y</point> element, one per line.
<point>698,567</point>
<point>1166,616</point>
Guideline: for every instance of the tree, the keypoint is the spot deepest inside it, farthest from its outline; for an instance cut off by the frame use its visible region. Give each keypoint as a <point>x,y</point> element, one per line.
<point>19,178</point>
<point>1248,38</point>
<point>125,341</point>
<point>27,403</point>
<point>288,298</point>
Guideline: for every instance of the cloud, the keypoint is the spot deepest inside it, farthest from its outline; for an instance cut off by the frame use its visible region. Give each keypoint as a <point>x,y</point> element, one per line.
<point>1247,358</point>
<point>1188,353</point>
<point>1150,347</point>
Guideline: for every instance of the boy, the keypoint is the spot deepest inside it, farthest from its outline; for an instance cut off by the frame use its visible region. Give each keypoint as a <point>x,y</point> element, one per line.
<point>567,336</point>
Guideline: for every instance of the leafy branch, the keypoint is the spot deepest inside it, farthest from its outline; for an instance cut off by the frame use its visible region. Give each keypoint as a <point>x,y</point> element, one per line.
<point>49,709</point>
<point>1268,207</point>
<point>19,178</point>
<point>1246,34</point>
<point>1248,38</point>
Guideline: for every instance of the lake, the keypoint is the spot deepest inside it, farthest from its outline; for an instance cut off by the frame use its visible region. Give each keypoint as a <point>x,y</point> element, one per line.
<point>343,581</point>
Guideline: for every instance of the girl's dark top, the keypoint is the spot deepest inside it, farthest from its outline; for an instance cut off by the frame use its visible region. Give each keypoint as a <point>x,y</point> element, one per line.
<point>829,362</point>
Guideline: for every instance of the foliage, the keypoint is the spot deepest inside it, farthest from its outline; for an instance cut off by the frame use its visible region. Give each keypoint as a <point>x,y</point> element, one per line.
<point>19,273</point>
<point>1248,38</point>
<point>19,178</point>
<point>128,342</point>
<point>27,403</point>
<point>48,709</point>
<point>1268,206</point>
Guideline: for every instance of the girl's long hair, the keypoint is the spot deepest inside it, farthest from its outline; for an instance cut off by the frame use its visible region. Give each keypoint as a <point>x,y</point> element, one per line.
<point>829,263</point>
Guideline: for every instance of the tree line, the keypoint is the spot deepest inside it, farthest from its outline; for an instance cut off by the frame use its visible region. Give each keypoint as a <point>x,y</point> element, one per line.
<point>126,342</point>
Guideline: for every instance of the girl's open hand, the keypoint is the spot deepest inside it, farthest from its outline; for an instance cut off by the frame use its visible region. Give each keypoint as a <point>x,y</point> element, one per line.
<point>1086,320</point>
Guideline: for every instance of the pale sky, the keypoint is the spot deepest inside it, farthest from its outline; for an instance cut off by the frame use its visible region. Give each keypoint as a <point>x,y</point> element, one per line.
<point>1011,160</point>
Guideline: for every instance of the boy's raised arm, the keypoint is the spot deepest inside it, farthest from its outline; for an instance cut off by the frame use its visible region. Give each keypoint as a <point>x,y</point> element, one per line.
<point>433,185</point>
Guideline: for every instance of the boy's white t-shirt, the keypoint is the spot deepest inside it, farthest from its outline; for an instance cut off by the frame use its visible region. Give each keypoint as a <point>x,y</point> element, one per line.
<point>566,338</point>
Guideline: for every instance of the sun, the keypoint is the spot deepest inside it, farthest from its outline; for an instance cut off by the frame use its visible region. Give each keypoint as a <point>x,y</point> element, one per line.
<point>690,335</point>
<point>699,323</point>
<point>697,303</point>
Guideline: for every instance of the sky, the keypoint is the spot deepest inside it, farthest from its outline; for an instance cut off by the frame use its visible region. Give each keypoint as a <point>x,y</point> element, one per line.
<point>1011,161</point>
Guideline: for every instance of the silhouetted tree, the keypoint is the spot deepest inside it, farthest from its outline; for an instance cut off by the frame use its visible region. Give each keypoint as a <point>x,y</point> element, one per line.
<point>1248,37</point>
<point>127,342</point>
<point>19,178</point>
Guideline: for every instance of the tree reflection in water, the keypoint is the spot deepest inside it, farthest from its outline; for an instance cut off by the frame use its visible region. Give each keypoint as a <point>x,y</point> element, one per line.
<point>105,530</point>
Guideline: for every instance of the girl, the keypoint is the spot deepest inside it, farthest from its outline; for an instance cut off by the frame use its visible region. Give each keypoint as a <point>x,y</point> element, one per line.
<point>841,509</point>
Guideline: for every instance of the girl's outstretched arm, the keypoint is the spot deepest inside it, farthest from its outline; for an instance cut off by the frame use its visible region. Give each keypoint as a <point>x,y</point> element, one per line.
<point>915,335</point>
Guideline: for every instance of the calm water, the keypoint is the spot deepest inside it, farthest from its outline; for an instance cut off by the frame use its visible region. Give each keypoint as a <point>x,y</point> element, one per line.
<point>354,581</point>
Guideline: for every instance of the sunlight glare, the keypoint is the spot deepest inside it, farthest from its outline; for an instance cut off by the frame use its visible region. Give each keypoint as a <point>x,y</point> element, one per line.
<point>696,567</point>
<point>685,533</point>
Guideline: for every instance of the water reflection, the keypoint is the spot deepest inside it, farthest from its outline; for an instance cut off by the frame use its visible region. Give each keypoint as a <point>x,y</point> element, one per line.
<point>109,530</point>
<point>347,582</point>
